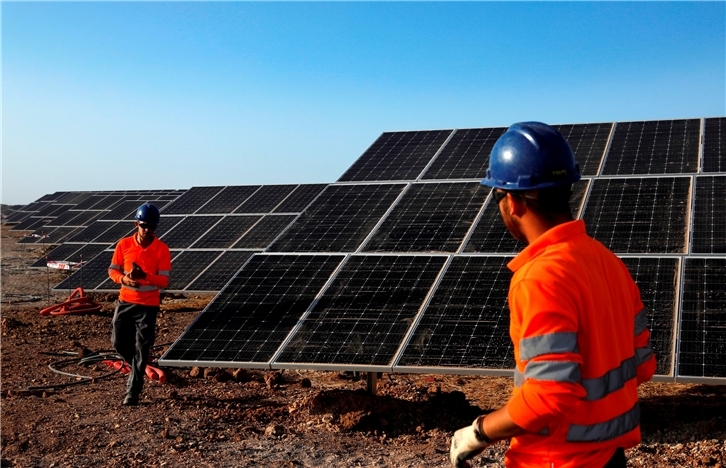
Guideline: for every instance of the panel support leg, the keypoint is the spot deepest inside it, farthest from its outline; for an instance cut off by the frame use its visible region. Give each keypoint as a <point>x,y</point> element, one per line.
<point>372,382</point>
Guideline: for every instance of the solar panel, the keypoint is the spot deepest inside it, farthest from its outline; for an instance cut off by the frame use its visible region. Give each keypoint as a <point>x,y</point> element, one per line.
<point>89,202</point>
<point>714,145</point>
<point>57,254</point>
<point>220,271</point>
<point>92,231</point>
<point>188,265</point>
<point>228,199</point>
<point>646,215</point>
<point>588,142</point>
<point>264,232</point>
<point>657,279</point>
<point>466,324</point>
<point>191,200</point>
<point>226,232</point>
<point>94,272</point>
<point>654,147</point>
<point>115,233</point>
<point>300,198</point>
<point>248,320</point>
<point>709,215</point>
<point>86,253</point>
<point>108,202</point>
<point>466,155</point>
<point>702,350</point>
<point>123,211</point>
<point>265,199</point>
<point>397,156</point>
<point>188,231</point>
<point>366,311</point>
<point>491,236</point>
<point>339,220</point>
<point>29,224</point>
<point>430,217</point>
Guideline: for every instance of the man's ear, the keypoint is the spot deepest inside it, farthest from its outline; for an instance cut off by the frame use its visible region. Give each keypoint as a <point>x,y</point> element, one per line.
<point>517,205</point>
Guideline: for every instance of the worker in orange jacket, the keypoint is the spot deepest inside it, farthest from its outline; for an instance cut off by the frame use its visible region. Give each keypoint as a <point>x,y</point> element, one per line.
<point>579,328</point>
<point>141,263</point>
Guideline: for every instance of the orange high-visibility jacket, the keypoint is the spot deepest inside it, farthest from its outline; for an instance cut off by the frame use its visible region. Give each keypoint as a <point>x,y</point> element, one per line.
<point>582,347</point>
<point>155,260</point>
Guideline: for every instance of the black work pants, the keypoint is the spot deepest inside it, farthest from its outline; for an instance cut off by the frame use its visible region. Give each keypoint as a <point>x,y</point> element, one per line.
<point>132,336</point>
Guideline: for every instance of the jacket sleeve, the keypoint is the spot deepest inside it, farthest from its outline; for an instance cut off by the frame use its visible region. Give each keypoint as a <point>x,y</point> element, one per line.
<point>544,329</point>
<point>163,276</point>
<point>116,268</point>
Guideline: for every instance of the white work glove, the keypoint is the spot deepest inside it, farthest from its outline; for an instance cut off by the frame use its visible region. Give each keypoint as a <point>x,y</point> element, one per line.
<point>468,443</point>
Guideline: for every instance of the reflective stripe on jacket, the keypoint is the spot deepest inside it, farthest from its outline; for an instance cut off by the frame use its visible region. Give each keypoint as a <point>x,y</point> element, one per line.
<point>582,346</point>
<point>155,260</point>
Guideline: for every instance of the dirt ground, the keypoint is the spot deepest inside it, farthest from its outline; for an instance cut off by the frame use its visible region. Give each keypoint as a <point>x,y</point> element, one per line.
<point>219,418</point>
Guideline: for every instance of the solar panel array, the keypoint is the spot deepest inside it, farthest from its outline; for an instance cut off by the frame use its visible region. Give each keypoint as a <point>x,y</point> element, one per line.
<point>400,265</point>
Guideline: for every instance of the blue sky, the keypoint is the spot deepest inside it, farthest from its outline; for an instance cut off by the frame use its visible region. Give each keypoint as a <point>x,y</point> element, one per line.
<point>152,95</point>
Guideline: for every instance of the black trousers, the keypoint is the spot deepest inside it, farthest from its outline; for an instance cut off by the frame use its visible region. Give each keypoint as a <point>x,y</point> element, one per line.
<point>618,460</point>
<point>132,336</point>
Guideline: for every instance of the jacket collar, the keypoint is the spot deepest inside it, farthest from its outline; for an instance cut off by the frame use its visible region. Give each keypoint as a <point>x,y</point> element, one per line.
<point>555,235</point>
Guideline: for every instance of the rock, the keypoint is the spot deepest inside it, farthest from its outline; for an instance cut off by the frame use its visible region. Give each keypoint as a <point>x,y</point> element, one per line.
<point>305,383</point>
<point>196,372</point>
<point>222,376</point>
<point>274,430</point>
<point>241,375</point>
<point>210,372</point>
<point>273,378</point>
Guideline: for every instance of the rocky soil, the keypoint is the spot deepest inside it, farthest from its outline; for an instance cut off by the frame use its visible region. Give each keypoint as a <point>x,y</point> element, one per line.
<point>223,418</point>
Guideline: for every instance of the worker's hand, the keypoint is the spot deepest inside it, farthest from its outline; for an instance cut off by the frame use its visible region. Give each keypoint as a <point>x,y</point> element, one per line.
<point>128,281</point>
<point>466,444</point>
<point>137,273</point>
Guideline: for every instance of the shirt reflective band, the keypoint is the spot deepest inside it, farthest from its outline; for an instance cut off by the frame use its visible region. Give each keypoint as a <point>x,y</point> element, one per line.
<point>141,288</point>
<point>643,354</point>
<point>613,380</point>
<point>115,267</point>
<point>553,371</point>
<point>641,322</point>
<point>551,343</point>
<point>608,430</point>
<point>164,272</point>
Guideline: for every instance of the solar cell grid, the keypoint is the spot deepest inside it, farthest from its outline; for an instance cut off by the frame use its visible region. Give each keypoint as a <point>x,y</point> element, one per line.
<point>252,316</point>
<point>654,147</point>
<point>89,202</point>
<point>107,202</point>
<point>92,231</point>
<point>339,220</point>
<point>491,236</point>
<point>90,276</point>
<point>265,199</point>
<point>29,224</point>
<point>657,280</point>
<point>430,217</point>
<point>57,254</point>
<point>224,234</point>
<point>115,233</point>
<point>709,215</point>
<point>397,156</point>
<point>61,234</point>
<point>646,215</point>
<point>228,199</point>
<point>220,271</point>
<point>186,232</point>
<point>52,210</point>
<point>364,314</point>
<point>466,155</point>
<point>714,145</point>
<point>41,235</point>
<point>123,211</point>
<point>264,232</point>
<point>703,319</point>
<point>86,253</point>
<point>466,324</point>
<point>191,200</point>
<point>588,142</point>
<point>188,265</point>
<point>300,198</point>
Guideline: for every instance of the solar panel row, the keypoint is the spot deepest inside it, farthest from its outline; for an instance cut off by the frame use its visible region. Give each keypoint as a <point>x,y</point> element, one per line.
<point>401,264</point>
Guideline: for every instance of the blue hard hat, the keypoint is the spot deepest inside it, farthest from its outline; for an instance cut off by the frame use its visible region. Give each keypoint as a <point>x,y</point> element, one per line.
<point>148,213</point>
<point>531,156</point>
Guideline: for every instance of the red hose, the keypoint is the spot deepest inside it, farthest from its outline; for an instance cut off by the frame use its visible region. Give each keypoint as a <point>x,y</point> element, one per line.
<point>77,303</point>
<point>154,373</point>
